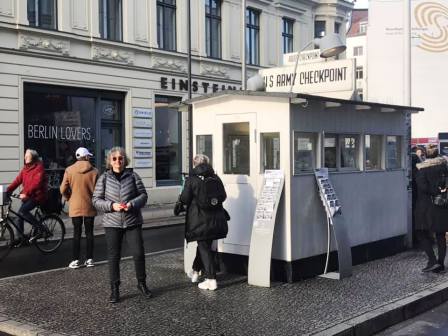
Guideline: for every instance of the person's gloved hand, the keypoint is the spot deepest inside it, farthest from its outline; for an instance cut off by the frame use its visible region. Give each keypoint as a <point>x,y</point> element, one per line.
<point>178,208</point>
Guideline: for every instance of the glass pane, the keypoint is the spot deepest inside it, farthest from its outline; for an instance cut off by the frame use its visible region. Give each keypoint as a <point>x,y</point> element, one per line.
<point>319,29</point>
<point>349,152</point>
<point>236,148</point>
<point>204,145</point>
<point>170,29</point>
<point>373,152</point>
<point>330,151</point>
<point>208,36</point>
<point>110,137</point>
<point>160,27</point>
<point>168,141</point>
<point>216,39</point>
<point>393,152</point>
<point>270,143</point>
<point>216,7</point>
<point>47,14</point>
<point>31,7</point>
<point>110,110</point>
<point>304,152</point>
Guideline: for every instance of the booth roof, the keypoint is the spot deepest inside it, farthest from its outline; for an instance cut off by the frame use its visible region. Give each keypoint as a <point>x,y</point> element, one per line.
<point>412,109</point>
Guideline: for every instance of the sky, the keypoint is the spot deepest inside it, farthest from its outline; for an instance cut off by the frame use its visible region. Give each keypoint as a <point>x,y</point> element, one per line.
<point>362,4</point>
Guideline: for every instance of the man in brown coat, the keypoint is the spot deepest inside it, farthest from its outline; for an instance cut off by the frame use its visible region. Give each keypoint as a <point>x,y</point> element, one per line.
<point>77,188</point>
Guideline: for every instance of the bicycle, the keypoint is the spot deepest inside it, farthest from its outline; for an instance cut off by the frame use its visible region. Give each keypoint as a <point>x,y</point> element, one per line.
<point>50,240</point>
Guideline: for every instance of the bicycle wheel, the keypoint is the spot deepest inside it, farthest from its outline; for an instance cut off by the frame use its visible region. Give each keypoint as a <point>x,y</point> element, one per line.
<point>53,235</point>
<point>6,240</point>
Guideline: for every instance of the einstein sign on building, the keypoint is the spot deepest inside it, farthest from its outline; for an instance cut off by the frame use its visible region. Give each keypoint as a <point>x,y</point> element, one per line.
<point>332,78</point>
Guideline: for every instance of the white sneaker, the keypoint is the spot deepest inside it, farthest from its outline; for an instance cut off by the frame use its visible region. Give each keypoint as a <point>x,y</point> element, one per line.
<point>209,284</point>
<point>74,264</point>
<point>89,263</point>
<point>194,276</point>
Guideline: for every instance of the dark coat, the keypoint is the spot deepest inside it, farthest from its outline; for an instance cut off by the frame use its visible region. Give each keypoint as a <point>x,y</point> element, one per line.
<point>431,176</point>
<point>201,224</point>
<point>130,189</point>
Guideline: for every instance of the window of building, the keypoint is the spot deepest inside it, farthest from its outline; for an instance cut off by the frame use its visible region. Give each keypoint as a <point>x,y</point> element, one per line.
<point>305,152</point>
<point>393,152</point>
<point>374,152</point>
<point>58,120</point>
<point>359,72</point>
<point>111,17</point>
<point>357,51</point>
<point>288,35</point>
<point>337,27</point>
<point>42,13</point>
<point>348,149</point>
<point>166,24</point>
<point>213,28</point>
<point>330,151</point>
<point>236,148</point>
<point>252,36</point>
<point>168,128</point>
<point>204,145</point>
<point>319,29</point>
<point>270,151</point>
<point>363,27</point>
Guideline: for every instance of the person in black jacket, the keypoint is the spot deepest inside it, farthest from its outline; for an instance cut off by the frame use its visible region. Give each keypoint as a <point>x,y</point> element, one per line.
<point>204,223</point>
<point>432,219</point>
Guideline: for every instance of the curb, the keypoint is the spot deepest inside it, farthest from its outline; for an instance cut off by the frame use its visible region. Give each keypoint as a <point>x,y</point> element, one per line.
<point>389,314</point>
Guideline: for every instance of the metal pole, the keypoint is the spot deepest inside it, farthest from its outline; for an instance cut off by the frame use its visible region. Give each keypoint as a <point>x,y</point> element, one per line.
<point>407,53</point>
<point>190,108</point>
<point>243,45</point>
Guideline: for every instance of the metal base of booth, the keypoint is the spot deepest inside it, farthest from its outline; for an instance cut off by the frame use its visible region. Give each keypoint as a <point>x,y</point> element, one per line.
<point>331,275</point>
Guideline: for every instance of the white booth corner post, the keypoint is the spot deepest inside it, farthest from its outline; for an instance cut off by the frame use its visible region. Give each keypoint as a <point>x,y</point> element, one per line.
<point>259,273</point>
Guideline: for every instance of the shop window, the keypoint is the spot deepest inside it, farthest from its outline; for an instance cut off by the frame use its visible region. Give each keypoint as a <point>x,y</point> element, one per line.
<point>374,152</point>
<point>204,145</point>
<point>42,13</point>
<point>305,152</point>
<point>58,120</point>
<point>252,36</point>
<point>236,148</point>
<point>213,28</point>
<point>166,24</point>
<point>111,19</point>
<point>393,152</point>
<point>168,128</point>
<point>288,35</point>
<point>270,151</point>
<point>348,148</point>
<point>330,151</point>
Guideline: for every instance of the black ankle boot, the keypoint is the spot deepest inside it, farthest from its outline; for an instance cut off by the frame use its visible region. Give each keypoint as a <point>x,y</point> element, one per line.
<point>144,290</point>
<point>115,293</point>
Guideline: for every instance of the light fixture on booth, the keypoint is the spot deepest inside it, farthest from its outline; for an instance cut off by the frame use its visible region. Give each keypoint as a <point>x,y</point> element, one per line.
<point>330,45</point>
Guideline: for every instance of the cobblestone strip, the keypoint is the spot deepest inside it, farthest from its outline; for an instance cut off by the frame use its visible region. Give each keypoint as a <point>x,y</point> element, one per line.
<point>17,328</point>
<point>385,316</point>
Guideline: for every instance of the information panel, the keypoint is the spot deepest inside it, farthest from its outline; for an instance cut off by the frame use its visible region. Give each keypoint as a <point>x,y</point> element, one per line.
<point>263,228</point>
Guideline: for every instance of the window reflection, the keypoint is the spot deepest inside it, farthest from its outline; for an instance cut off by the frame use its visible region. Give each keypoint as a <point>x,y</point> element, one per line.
<point>270,150</point>
<point>236,148</point>
<point>304,152</point>
<point>204,145</point>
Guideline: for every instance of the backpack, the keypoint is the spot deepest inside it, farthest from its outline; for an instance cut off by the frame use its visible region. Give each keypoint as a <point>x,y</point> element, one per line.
<point>212,193</point>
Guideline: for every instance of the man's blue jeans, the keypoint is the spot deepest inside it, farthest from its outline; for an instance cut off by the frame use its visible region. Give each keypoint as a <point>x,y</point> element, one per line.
<point>25,211</point>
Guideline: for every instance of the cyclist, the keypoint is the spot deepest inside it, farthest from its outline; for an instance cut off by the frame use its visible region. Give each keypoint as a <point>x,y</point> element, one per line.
<point>34,182</point>
<point>77,188</point>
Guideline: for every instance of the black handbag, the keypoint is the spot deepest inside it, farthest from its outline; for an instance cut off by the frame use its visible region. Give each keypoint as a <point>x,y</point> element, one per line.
<point>441,200</point>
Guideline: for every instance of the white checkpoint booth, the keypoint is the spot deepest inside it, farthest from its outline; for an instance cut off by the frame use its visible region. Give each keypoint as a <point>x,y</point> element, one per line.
<point>364,146</point>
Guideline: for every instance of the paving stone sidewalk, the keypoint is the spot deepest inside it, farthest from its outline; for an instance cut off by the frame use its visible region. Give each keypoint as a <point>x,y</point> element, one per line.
<point>74,302</point>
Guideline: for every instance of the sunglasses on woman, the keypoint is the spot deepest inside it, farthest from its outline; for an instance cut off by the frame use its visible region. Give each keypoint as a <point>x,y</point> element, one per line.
<point>119,158</point>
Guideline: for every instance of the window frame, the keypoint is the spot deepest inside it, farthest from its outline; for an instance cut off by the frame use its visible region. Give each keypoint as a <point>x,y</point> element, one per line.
<point>324,31</point>
<point>359,70</point>
<point>357,152</point>
<point>382,153</point>
<point>262,151</point>
<point>338,139</point>
<point>315,151</point>
<point>162,36</point>
<point>209,20</point>
<point>197,146</point>
<point>252,56</point>
<point>287,35</point>
<point>399,147</point>
<point>104,26</point>
<point>37,16</point>
<point>358,51</point>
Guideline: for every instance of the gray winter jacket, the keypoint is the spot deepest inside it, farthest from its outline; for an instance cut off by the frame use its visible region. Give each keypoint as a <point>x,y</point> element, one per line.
<point>130,189</point>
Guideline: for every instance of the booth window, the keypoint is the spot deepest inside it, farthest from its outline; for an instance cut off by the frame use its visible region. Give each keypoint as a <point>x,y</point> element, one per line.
<point>270,151</point>
<point>42,13</point>
<point>348,145</point>
<point>204,145</point>
<point>374,152</point>
<point>304,152</point>
<point>330,151</point>
<point>168,130</point>
<point>236,148</point>
<point>393,152</point>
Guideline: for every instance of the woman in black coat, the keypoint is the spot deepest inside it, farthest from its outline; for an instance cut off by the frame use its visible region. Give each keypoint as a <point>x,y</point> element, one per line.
<point>430,218</point>
<point>204,222</point>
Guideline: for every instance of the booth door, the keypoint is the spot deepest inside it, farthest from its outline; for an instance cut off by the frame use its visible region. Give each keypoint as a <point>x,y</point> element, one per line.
<point>236,160</point>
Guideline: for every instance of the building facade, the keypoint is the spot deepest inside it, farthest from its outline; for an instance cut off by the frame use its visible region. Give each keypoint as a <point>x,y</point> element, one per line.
<point>102,73</point>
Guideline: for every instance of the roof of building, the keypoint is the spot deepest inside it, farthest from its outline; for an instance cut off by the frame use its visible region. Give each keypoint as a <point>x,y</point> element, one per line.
<point>386,107</point>
<point>358,16</point>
